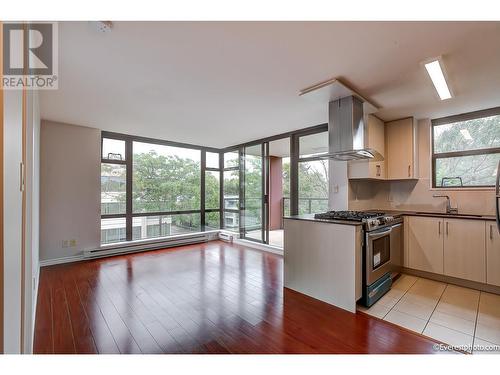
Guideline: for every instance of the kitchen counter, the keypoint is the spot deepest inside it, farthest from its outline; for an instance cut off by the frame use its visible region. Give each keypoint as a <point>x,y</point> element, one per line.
<point>441,214</point>
<point>323,259</point>
<point>310,217</point>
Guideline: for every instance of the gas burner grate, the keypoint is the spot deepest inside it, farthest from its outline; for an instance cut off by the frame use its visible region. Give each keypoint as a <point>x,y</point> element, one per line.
<point>347,215</point>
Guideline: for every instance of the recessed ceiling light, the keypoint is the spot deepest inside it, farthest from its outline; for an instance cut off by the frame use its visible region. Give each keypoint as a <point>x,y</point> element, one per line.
<point>435,70</point>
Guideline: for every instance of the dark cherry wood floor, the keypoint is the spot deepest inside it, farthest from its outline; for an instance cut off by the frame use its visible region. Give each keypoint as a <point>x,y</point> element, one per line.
<point>207,298</point>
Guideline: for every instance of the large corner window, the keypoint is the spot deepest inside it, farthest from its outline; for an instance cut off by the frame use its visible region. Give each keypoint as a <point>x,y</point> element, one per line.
<point>466,149</point>
<point>152,188</point>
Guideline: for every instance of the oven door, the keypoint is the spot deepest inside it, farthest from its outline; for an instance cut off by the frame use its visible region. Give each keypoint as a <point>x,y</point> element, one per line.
<point>378,254</point>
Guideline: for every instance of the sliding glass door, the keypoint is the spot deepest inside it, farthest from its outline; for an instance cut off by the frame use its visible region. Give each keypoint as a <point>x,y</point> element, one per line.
<point>253,188</point>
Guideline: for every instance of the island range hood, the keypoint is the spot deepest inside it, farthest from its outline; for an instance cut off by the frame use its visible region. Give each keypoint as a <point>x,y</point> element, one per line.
<point>347,121</point>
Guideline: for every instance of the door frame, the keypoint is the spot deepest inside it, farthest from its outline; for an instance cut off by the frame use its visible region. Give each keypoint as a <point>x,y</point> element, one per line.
<point>264,238</point>
<point>1,197</point>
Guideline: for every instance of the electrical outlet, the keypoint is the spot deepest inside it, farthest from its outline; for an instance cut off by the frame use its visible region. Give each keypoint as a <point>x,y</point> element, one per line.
<point>65,243</point>
<point>72,243</point>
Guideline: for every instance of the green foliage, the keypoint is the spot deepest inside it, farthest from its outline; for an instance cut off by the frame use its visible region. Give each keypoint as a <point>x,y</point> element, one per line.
<point>477,170</point>
<point>170,183</point>
<point>165,183</point>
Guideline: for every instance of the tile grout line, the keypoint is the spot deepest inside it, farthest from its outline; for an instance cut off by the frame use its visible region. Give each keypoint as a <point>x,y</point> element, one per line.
<point>435,307</point>
<point>400,298</point>
<point>475,325</point>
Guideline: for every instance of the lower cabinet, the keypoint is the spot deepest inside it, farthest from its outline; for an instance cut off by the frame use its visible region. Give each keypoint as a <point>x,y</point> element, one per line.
<point>465,249</point>
<point>492,254</point>
<point>425,243</point>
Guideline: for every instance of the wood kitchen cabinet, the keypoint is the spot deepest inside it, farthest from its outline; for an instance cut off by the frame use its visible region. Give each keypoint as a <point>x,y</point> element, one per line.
<point>492,254</point>
<point>425,243</point>
<point>376,140</point>
<point>465,249</point>
<point>401,161</point>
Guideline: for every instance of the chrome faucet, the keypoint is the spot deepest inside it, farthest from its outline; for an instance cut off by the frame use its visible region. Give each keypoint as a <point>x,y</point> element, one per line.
<point>449,209</point>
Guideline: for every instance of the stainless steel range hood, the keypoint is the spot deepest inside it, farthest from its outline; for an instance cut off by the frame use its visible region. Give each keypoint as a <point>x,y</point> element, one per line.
<point>348,131</point>
<point>347,122</point>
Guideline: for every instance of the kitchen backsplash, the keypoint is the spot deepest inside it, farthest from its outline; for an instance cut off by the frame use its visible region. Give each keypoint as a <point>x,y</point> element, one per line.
<point>417,196</point>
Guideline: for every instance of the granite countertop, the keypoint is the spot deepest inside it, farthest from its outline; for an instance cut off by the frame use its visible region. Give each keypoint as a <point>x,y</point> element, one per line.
<point>441,214</point>
<point>310,217</point>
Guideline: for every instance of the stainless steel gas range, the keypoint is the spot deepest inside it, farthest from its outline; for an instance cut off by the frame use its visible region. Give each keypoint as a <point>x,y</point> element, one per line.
<point>382,249</point>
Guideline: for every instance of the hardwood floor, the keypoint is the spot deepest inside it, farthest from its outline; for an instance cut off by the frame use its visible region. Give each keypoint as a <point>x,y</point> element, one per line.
<point>206,298</point>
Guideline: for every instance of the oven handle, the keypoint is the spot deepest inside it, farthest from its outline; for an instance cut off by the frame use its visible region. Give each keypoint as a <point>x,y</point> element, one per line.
<point>375,235</point>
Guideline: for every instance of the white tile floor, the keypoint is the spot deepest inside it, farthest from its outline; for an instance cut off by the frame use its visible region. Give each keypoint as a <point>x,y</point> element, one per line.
<point>464,318</point>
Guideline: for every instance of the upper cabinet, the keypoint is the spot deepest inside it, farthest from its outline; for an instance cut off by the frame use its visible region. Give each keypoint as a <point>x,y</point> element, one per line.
<point>396,141</point>
<point>376,140</point>
<point>401,159</point>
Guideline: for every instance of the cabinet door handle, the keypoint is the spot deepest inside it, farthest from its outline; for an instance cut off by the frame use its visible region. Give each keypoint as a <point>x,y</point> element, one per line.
<point>491,232</point>
<point>378,170</point>
<point>409,171</point>
<point>446,228</point>
<point>21,177</point>
<point>439,228</point>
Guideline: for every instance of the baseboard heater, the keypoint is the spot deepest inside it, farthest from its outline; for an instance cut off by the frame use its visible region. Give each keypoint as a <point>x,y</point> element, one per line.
<point>145,245</point>
<point>226,237</point>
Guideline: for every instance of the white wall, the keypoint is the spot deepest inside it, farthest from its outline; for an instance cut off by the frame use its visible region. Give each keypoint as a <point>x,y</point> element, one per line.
<point>69,189</point>
<point>12,220</point>
<point>338,185</point>
<point>417,195</point>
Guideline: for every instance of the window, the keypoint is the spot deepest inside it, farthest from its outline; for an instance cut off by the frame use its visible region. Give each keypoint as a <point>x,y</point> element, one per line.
<point>212,160</point>
<point>165,178</point>
<point>153,188</point>
<point>466,149</point>
<point>212,189</point>
<point>313,145</point>
<point>231,191</point>
<point>113,230</point>
<point>212,220</point>
<point>231,159</point>
<point>113,149</point>
<point>113,188</point>
<point>313,174</point>
<point>313,186</point>
<point>144,227</point>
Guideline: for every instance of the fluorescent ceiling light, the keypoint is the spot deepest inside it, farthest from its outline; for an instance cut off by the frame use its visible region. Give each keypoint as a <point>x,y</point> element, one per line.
<point>466,134</point>
<point>437,76</point>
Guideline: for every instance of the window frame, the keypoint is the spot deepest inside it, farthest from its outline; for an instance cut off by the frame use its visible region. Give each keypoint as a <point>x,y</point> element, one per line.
<point>443,155</point>
<point>295,159</point>
<point>128,162</point>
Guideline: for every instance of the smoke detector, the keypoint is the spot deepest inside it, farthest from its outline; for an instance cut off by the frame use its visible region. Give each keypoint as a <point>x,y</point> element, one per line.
<point>102,26</point>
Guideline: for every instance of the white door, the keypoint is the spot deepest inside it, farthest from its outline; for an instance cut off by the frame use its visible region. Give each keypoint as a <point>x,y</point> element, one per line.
<point>12,219</point>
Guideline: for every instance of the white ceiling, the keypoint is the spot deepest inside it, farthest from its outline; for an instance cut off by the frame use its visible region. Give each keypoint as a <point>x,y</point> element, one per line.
<point>219,84</point>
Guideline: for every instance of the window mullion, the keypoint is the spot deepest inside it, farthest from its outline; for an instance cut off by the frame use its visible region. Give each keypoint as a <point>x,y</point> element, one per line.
<point>128,194</point>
